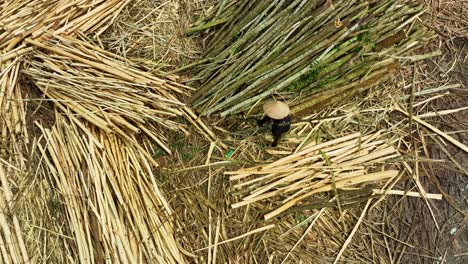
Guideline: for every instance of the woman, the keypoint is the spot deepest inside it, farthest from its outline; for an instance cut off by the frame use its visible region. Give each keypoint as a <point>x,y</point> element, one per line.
<point>278,112</point>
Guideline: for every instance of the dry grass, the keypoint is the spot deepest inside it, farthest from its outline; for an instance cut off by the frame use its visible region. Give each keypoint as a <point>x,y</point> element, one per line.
<point>398,229</point>
<point>449,18</point>
<point>440,234</point>
<point>400,237</point>
<point>154,32</point>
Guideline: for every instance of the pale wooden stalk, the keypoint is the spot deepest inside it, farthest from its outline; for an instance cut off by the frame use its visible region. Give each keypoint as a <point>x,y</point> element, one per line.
<point>8,199</point>
<point>435,196</point>
<point>261,229</point>
<point>350,237</point>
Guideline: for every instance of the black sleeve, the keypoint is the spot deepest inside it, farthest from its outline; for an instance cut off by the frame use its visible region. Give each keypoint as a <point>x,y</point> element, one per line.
<point>263,121</point>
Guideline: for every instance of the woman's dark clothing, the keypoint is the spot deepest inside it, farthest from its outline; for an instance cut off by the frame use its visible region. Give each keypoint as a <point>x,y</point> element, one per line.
<point>279,127</point>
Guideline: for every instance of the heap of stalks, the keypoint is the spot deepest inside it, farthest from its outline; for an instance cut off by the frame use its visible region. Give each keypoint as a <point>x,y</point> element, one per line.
<point>313,53</point>
<point>317,168</point>
<point>80,182</point>
<point>20,20</point>
<point>114,209</point>
<point>103,90</point>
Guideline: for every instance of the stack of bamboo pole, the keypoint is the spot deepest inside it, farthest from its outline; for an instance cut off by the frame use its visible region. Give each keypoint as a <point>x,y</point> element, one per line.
<point>91,156</point>
<point>114,208</point>
<point>315,52</point>
<point>19,20</point>
<point>336,164</point>
<point>101,89</point>
<point>31,19</point>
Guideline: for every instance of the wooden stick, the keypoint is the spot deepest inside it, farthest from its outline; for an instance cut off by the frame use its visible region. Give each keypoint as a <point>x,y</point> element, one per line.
<point>261,229</point>
<point>350,237</point>
<point>435,196</point>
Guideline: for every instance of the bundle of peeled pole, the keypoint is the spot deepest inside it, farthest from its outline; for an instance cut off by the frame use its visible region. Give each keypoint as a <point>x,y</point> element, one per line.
<point>350,161</point>
<point>21,19</point>
<point>315,52</point>
<point>102,89</point>
<point>115,212</point>
<point>31,19</point>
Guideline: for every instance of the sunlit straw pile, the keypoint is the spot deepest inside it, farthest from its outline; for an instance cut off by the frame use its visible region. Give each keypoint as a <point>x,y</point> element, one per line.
<point>314,53</point>
<point>102,89</point>
<point>114,208</point>
<point>79,182</point>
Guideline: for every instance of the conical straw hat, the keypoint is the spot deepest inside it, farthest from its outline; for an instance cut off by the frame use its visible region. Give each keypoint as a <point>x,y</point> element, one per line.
<point>276,109</point>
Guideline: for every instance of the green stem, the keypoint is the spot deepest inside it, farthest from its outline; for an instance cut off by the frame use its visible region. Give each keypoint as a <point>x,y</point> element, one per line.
<point>207,25</point>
